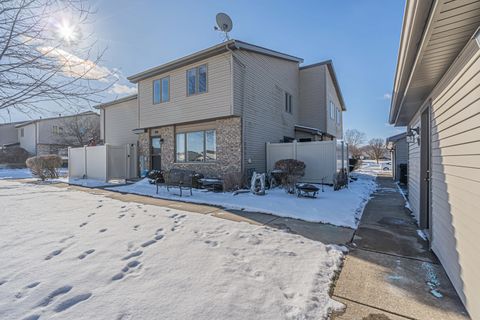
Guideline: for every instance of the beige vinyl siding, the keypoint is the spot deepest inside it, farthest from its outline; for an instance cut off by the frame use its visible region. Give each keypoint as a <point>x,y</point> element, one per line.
<point>414,172</point>
<point>266,79</point>
<point>456,175</point>
<point>120,120</point>
<point>332,127</point>
<point>215,103</point>
<point>313,97</point>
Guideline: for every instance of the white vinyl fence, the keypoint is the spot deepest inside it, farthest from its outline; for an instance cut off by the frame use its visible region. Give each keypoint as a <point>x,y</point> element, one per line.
<point>322,159</point>
<point>103,163</point>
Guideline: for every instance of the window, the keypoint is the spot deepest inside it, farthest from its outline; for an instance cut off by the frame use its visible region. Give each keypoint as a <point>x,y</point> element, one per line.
<point>332,110</point>
<point>288,102</point>
<point>197,146</point>
<point>22,132</point>
<point>338,116</point>
<point>161,90</point>
<point>197,80</point>
<point>57,130</point>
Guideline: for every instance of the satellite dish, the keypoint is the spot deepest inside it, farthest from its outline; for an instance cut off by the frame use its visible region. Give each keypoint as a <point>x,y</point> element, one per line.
<point>224,24</point>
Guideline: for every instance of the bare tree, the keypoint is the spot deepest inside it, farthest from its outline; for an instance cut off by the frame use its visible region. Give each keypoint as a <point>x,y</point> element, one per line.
<point>376,148</point>
<point>45,57</point>
<point>79,129</point>
<point>354,139</point>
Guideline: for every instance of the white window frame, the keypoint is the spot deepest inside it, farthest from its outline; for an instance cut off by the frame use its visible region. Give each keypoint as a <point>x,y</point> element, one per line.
<point>185,146</point>
<point>332,110</point>
<point>288,101</point>
<point>197,80</point>
<point>160,98</point>
<point>338,116</point>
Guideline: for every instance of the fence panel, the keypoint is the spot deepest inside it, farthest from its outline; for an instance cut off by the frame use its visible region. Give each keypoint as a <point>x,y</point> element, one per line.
<point>76,162</point>
<point>117,162</point>
<point>96,166</point>
<point>319,157</point>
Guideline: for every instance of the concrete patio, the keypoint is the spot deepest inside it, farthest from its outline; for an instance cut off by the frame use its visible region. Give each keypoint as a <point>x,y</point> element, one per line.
<point>390,273</point>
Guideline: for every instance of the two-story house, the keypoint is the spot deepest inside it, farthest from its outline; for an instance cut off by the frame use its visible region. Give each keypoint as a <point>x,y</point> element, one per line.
<point>213,111</point>
<point>54,135</point>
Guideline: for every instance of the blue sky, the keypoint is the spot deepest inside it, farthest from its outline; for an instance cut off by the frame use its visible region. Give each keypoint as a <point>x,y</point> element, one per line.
<point>360,36</point>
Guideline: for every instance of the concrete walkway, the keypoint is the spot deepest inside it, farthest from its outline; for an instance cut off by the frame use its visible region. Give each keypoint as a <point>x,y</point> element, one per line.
<point>390,273</point>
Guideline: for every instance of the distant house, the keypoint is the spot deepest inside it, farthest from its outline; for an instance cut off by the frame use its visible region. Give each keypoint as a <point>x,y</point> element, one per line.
<point>214,111</point>
<point>8,134</point>
<point>436,95</point>
<point>398,147</point>
<point>50,135</point>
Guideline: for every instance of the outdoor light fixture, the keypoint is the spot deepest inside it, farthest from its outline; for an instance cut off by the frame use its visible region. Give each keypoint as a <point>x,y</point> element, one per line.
<point>413,135</point>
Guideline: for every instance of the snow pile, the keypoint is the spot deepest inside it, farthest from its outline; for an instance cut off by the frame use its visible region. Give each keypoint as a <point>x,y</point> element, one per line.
<point>74,255</point>
<point>341,208</point>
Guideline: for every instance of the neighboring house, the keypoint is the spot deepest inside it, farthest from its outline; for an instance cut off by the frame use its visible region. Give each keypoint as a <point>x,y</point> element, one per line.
<point>8,134</point>
<point>436,94</point>
<point>51,135</point>
<point>214,111</point>
<point>398,147</point>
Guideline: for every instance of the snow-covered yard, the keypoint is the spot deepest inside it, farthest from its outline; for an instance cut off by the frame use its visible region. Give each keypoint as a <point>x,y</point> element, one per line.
<point>23,173</point>
<point>341,208</point>
<point>69,254</point>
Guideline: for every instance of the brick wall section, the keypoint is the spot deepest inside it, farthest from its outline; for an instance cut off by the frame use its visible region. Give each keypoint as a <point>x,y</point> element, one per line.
<point>229,149</point>
<point>144,150</point>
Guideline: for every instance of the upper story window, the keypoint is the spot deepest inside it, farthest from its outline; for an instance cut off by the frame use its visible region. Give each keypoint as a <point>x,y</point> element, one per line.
<point>197,80</point>
<point>288,102</point>
<point>332,110</point>
<point>57,130</point>
<point>22,132</point>
<point>339,116</point>
<point>161,90</point>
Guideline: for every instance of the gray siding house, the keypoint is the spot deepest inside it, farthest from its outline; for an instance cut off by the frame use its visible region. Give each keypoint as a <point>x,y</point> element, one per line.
<point>213,111</point>
<point>8,134</point>
<point>398,147</point>
<point>436,95</point>
<point>49,135</point>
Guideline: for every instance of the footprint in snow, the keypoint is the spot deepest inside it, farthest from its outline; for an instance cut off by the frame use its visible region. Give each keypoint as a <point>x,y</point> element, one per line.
<point>121,216</point>
<point>53,254</point>
<point>211,243</point>
<point>68,303</point>
<point>32,317</point>
<point>128,267</point>
<point>102,230</point>
<point>3,282</point>
<point>25,289</point>
<point>99,206</point>
<point>55,293</point>
<point>83,224</point>
<point>91,214</point>
<point>65,239</point>
<point>123,207</point>
<point>86,253</point>
<point>135,228</point>
<point>133,255</point>
<point>148,243</point>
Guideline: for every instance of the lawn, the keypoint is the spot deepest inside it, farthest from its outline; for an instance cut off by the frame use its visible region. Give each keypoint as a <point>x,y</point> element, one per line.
<point>70,254</point>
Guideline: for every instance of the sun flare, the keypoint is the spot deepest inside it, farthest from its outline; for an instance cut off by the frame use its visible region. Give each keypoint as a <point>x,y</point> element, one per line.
<point>66,31</point>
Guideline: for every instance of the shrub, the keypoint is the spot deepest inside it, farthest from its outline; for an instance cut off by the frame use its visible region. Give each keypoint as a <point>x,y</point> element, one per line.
<point>293,170</point>
<point>13,155</point>
<point>232,181</point>
<point>45,167</point>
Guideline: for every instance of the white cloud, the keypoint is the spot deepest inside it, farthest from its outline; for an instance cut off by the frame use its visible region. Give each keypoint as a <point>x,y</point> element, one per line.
<point>74,66</point>
<point>122,89</point>
<point>387,96</point>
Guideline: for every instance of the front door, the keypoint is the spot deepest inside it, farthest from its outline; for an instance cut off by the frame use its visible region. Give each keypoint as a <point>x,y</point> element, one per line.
<point>425,198</point>
<point>156,144</point>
